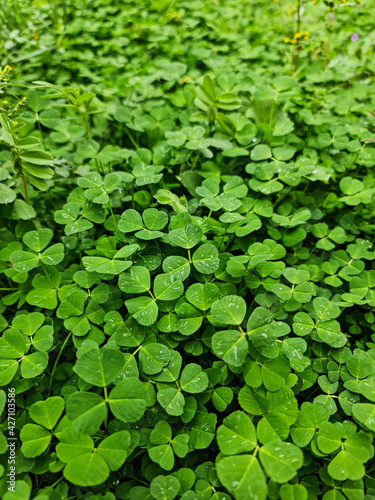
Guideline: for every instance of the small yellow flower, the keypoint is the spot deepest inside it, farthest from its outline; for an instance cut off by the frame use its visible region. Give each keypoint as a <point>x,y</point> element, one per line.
<point>5,102</point>
<point>9,68</point>
<point>286,40</point>
<point>298,35</point>
<point>36,37</point>
<point>15,123</point>
<point>294,40</point>
<point>306,33</point>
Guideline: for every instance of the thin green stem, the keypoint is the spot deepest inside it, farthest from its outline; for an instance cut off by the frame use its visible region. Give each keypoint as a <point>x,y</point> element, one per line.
<point>87,126</point>
<point>222,239</point>
<point>133,204</point>
<point>138,349</point>
<point>26,194</point>
<point>133,141</point>
<point>57,360</point>
<point>328,44</point>
<point>41,133</point>
<point>113,215</point>
<point>298,29</point>
<point>106,413</point>
<point>271,113</point>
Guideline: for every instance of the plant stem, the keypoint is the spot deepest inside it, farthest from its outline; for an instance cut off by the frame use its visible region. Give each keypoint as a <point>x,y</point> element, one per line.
<point>113,216</point>
<point>133,141</point>
<point>271,113</point>
<point>41,133</point>
<point>57,360</point>
<point>87,126</point>
<point>298,28</point>
<point>106,400</point>
<point>26,194</point>
<point>222,239</point>
<point>328,44</point>
<point>133,204</point>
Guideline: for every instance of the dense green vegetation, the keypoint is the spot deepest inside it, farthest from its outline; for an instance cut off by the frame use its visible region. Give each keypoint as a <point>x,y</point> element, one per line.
<point>187,269</point>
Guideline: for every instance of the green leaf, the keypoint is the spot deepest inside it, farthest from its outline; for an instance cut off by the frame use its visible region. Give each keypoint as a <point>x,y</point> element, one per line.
<point>23,210</point>
<point>237,434</point>
<point>24,262</point>
<point>34,364</point>
<point>231,346</point>
<point>202,296</point>
<point>293,492</point>
<point>153,358</point>
<point>274,373</point>
<point>193,379</point>
<point>8,369</point>
<point>88,469</point>
<point>281,460</point>
<point>128,400</point>
<point>53,255</point>
<point>7,195</point>
<point>229,310</point>
<point>345,466</point>
<point>243,477</point>
<point>162,455</point>
<point>143,309</point>
<point>12,344</point>
<point>38,240</point>
<point>22,491</point>
<point>165,487</point>
<point>100,367</point>
<point>130,221</point>
<point>105,266</point>
<point>155,219</point>
<point>28,323</point>
<point>166,287</point>
<point>187,237</point>
<point>162,433</point>
<point>114,449</point>
<point>206,258</point>
<point>329,438</point>
<point>260,152</point>
<point>37,157</point>
<point>73,444</point>
<point>203,430</point>
<point>171,400</point>
<point>86,410</point>
<point>177,266</point>
<point>35,440</point>
<point>365,414</point>
<point>48,412</point>
<point>136,280</point>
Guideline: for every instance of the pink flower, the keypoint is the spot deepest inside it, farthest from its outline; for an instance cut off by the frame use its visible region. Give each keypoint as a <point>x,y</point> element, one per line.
<point>332,16</point>
<point>354,37</point>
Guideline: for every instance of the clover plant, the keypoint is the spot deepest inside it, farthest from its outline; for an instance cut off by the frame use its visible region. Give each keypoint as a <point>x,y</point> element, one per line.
<point>187,265</point>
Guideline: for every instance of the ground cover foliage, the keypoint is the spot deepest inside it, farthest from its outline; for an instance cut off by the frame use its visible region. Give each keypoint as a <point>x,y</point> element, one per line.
<point>186,249</point>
